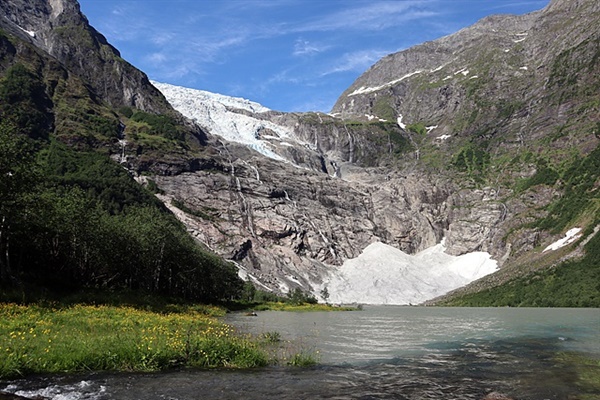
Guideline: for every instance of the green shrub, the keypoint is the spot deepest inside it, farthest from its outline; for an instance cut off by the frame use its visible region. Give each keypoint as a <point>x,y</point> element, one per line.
<point>418,128</point>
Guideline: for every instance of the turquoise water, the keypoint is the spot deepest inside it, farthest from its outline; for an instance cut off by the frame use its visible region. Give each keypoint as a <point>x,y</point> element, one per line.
<point>382,352</point>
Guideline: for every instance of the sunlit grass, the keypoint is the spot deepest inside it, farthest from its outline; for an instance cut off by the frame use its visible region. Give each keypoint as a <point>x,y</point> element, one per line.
<point>36,339</point>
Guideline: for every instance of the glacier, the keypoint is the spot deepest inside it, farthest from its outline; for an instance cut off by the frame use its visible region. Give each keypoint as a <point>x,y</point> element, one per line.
<point>383,274</point>
<point>231,118</point>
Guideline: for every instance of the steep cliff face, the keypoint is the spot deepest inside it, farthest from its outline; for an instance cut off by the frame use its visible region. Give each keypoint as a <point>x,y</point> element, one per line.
<point>288,226</point>
<point>58,28</point>
<point>506,100</point>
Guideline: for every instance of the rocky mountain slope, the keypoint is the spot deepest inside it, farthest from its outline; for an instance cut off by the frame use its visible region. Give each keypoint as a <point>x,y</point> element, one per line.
<point>478,138</point>
<point>482,121</point>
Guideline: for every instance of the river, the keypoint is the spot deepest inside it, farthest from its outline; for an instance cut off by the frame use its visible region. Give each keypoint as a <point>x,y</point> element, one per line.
<point>382,352</point>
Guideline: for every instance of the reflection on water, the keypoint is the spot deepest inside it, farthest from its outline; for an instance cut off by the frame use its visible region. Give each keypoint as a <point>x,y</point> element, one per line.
<point>380,353</point>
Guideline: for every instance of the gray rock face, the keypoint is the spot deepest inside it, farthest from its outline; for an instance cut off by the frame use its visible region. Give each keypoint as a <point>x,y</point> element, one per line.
<point>490,88</point>
<point>287,226</point>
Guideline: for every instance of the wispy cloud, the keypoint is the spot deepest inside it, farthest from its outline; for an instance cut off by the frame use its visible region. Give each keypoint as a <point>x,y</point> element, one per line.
<point>511,4</point>
<point>357,61</point>
<point>306,48</point>
<point>373,16</point>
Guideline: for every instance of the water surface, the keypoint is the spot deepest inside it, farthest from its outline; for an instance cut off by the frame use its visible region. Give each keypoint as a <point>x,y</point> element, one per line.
<point>383,352</point>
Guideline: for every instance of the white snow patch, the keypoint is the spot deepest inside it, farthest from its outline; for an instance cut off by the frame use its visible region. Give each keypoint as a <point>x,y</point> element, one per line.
<point>365,89</point>
<point>463,71</point>
<point>518,40</point>
<point>383,274</point>
<point>443,137</point>
<point>217,113</point>
<point>506,50</point>
<point>372,117</point>
<point>524,68</point>
<point>571,236</point>
<point>430,128</point>
<point>30,33</point>
<point>446,78</point>
<point>400,124</point>
<point>438,68</point>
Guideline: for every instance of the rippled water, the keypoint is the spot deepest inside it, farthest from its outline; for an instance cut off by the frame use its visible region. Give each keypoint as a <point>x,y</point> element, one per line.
<point>379,353</point>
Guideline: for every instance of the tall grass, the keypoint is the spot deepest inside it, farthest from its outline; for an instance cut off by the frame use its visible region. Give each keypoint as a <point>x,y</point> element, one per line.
<point>36,339</point>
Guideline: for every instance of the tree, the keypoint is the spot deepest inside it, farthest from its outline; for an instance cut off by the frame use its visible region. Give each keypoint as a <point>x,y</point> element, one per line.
<point>325,294</point>
<point>17,179</point>
<point>248,292</point>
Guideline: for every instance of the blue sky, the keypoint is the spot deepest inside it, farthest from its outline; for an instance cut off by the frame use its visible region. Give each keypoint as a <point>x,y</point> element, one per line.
<point>289,55</point>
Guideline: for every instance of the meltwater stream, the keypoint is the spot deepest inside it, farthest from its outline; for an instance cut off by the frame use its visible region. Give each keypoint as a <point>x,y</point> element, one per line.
<point>383,352</point>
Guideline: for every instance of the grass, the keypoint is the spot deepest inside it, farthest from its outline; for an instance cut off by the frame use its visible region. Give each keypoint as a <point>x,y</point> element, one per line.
<point>51,339</point>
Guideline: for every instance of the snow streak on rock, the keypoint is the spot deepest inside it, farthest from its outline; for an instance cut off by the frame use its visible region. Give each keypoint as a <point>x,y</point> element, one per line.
<point>385,275</point>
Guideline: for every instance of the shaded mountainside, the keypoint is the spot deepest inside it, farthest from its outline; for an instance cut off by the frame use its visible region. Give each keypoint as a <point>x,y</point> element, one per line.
<point>71,218</point>
<point>487,138</point>
<point>58,28</point>
<point>92,98</point>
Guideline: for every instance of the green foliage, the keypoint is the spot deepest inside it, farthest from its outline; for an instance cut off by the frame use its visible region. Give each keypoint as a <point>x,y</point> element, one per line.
<point>36,339</point>
<point>23,102</point>
<point>87,223</point>
<point>262,296</point>
<point>544,175</point>
<point>571,68</point>
<point>398,143</point>
<point>97,175</point>
<point>271,337</point>
<point>17,175</point>
<point>383,108</point>
<point>126,111</point>
<point>297,297</point>
<point>580,192</point>
<point>574,283</point>
<point>161,125</point>
<point>153,187</point>
<point>418,128</point>
<point>248,292</point>
<point>471,159</point>
<point>303,359</point>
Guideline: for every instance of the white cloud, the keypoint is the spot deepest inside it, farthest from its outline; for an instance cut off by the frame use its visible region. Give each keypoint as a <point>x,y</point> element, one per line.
<point>305,48</point>
<point>157,58</point>
<point>357,61</point>
<point>374,16</point>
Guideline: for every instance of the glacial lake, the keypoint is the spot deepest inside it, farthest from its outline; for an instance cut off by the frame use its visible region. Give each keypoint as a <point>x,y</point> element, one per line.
<point>382,352</point>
